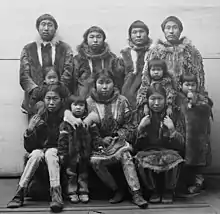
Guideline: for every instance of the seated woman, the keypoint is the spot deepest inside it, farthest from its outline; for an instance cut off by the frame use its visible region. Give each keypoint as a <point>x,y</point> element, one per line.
<point>160,141</point>
<point>111,144</point>
<point>111,114</point>
<point>41,141</point>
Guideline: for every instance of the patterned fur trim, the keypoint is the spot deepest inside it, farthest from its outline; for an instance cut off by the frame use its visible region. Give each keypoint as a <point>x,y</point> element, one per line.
<point>159,169</point>
<point>83,50</point>
<point>158,161</point>
<point>117,155</point>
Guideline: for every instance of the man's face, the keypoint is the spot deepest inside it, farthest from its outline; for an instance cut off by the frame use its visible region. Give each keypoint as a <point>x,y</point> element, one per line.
<point>47,30</point>
<point>139,36</point>
<point>95,40</point>
<point>172,32</point>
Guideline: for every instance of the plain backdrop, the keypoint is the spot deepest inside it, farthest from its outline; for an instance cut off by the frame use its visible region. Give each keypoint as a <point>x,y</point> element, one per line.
<point>201,21</point>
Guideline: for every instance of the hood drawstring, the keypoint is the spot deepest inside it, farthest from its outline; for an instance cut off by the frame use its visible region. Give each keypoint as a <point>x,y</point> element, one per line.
<point>134,57</point>
<point>91,65</point>
<point>103,64</point>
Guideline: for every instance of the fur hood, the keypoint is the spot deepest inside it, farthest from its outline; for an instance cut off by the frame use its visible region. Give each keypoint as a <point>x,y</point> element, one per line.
<point>84,51</point>
<point>132,46</point>
<point>183,43</point>
<point>56,40</point>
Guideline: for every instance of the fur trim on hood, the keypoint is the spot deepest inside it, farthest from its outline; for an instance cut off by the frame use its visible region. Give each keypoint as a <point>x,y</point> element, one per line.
<point>145,47</point>
<point>54,41</point>
<point>83,50</point>
<point>184,41</point>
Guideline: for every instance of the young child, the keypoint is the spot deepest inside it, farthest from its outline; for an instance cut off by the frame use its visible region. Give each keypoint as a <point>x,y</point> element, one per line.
<point>157,73</point>
<point>51,77</point>
<point>197,111</point>
<point>74,149</point>
<point>40,141</point>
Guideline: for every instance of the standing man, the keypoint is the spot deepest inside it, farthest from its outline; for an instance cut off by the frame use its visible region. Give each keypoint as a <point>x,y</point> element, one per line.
<point>94,54</point>
<point>182,58</point>
<point>133,57</point>
<point>179,53</point>
<point>48,50</point>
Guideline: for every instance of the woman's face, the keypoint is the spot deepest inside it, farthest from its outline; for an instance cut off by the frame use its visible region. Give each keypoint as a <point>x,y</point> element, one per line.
<point>52,101</point>
<point>95,40</point>
<point>104,86</point>
<point>156,102</point>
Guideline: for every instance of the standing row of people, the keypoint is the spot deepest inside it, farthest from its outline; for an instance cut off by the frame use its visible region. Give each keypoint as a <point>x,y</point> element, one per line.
<point>147,109</point>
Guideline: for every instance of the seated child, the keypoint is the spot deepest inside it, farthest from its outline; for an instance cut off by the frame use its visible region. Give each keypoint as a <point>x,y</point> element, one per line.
<point>157,73</point>
<point>50,77</point>
<point>197,111</point>
<point>74,149</point>
<point>40,141</point>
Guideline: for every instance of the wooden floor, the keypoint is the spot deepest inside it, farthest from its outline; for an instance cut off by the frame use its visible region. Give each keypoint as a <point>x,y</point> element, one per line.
<point>122,209</point>
<point>206,203</point>
<point>180,206</point>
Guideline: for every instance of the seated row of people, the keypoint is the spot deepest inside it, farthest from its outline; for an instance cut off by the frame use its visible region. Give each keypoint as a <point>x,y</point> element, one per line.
<point>155,139</point>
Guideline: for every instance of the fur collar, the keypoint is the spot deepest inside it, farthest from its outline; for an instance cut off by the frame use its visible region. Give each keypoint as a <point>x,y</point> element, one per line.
<point>83,49</point>
<point>183,43</point>
<point>144,48</point>
<point>53,42</point>
<point>97,99</point>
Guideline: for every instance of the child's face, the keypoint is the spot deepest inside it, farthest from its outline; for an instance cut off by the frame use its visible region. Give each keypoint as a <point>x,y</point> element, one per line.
<point>78,109</point>
<point>156,72</point>
<point>51,78</point>
<point>189,86</point>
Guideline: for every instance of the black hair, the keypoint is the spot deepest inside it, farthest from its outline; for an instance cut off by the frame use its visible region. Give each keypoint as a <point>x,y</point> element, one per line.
<point>103,72</point>
<point>188,77</point>
<point>57,88</point>
<point>156,88</point>
<point>47,69</point>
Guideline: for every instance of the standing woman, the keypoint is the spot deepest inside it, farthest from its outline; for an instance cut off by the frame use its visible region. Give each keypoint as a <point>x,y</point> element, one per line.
<point>93,54</point>
<point>159,146</point>
<point>112,141</point>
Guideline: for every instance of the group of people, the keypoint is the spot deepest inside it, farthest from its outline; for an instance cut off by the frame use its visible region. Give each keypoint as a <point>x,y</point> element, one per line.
<point>146,111</point>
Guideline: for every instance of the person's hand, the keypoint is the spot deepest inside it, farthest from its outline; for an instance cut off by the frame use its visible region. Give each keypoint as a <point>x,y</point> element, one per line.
<point>73,121</point>
<point>91,118</point>
<point>169,123</point>
<point>62,160</point>
<point>145,121</point>
<point>107,140</point>
<point>191,97</point>
<point>169,111</point>
<point>34,121</point>
<point>146,109</point>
